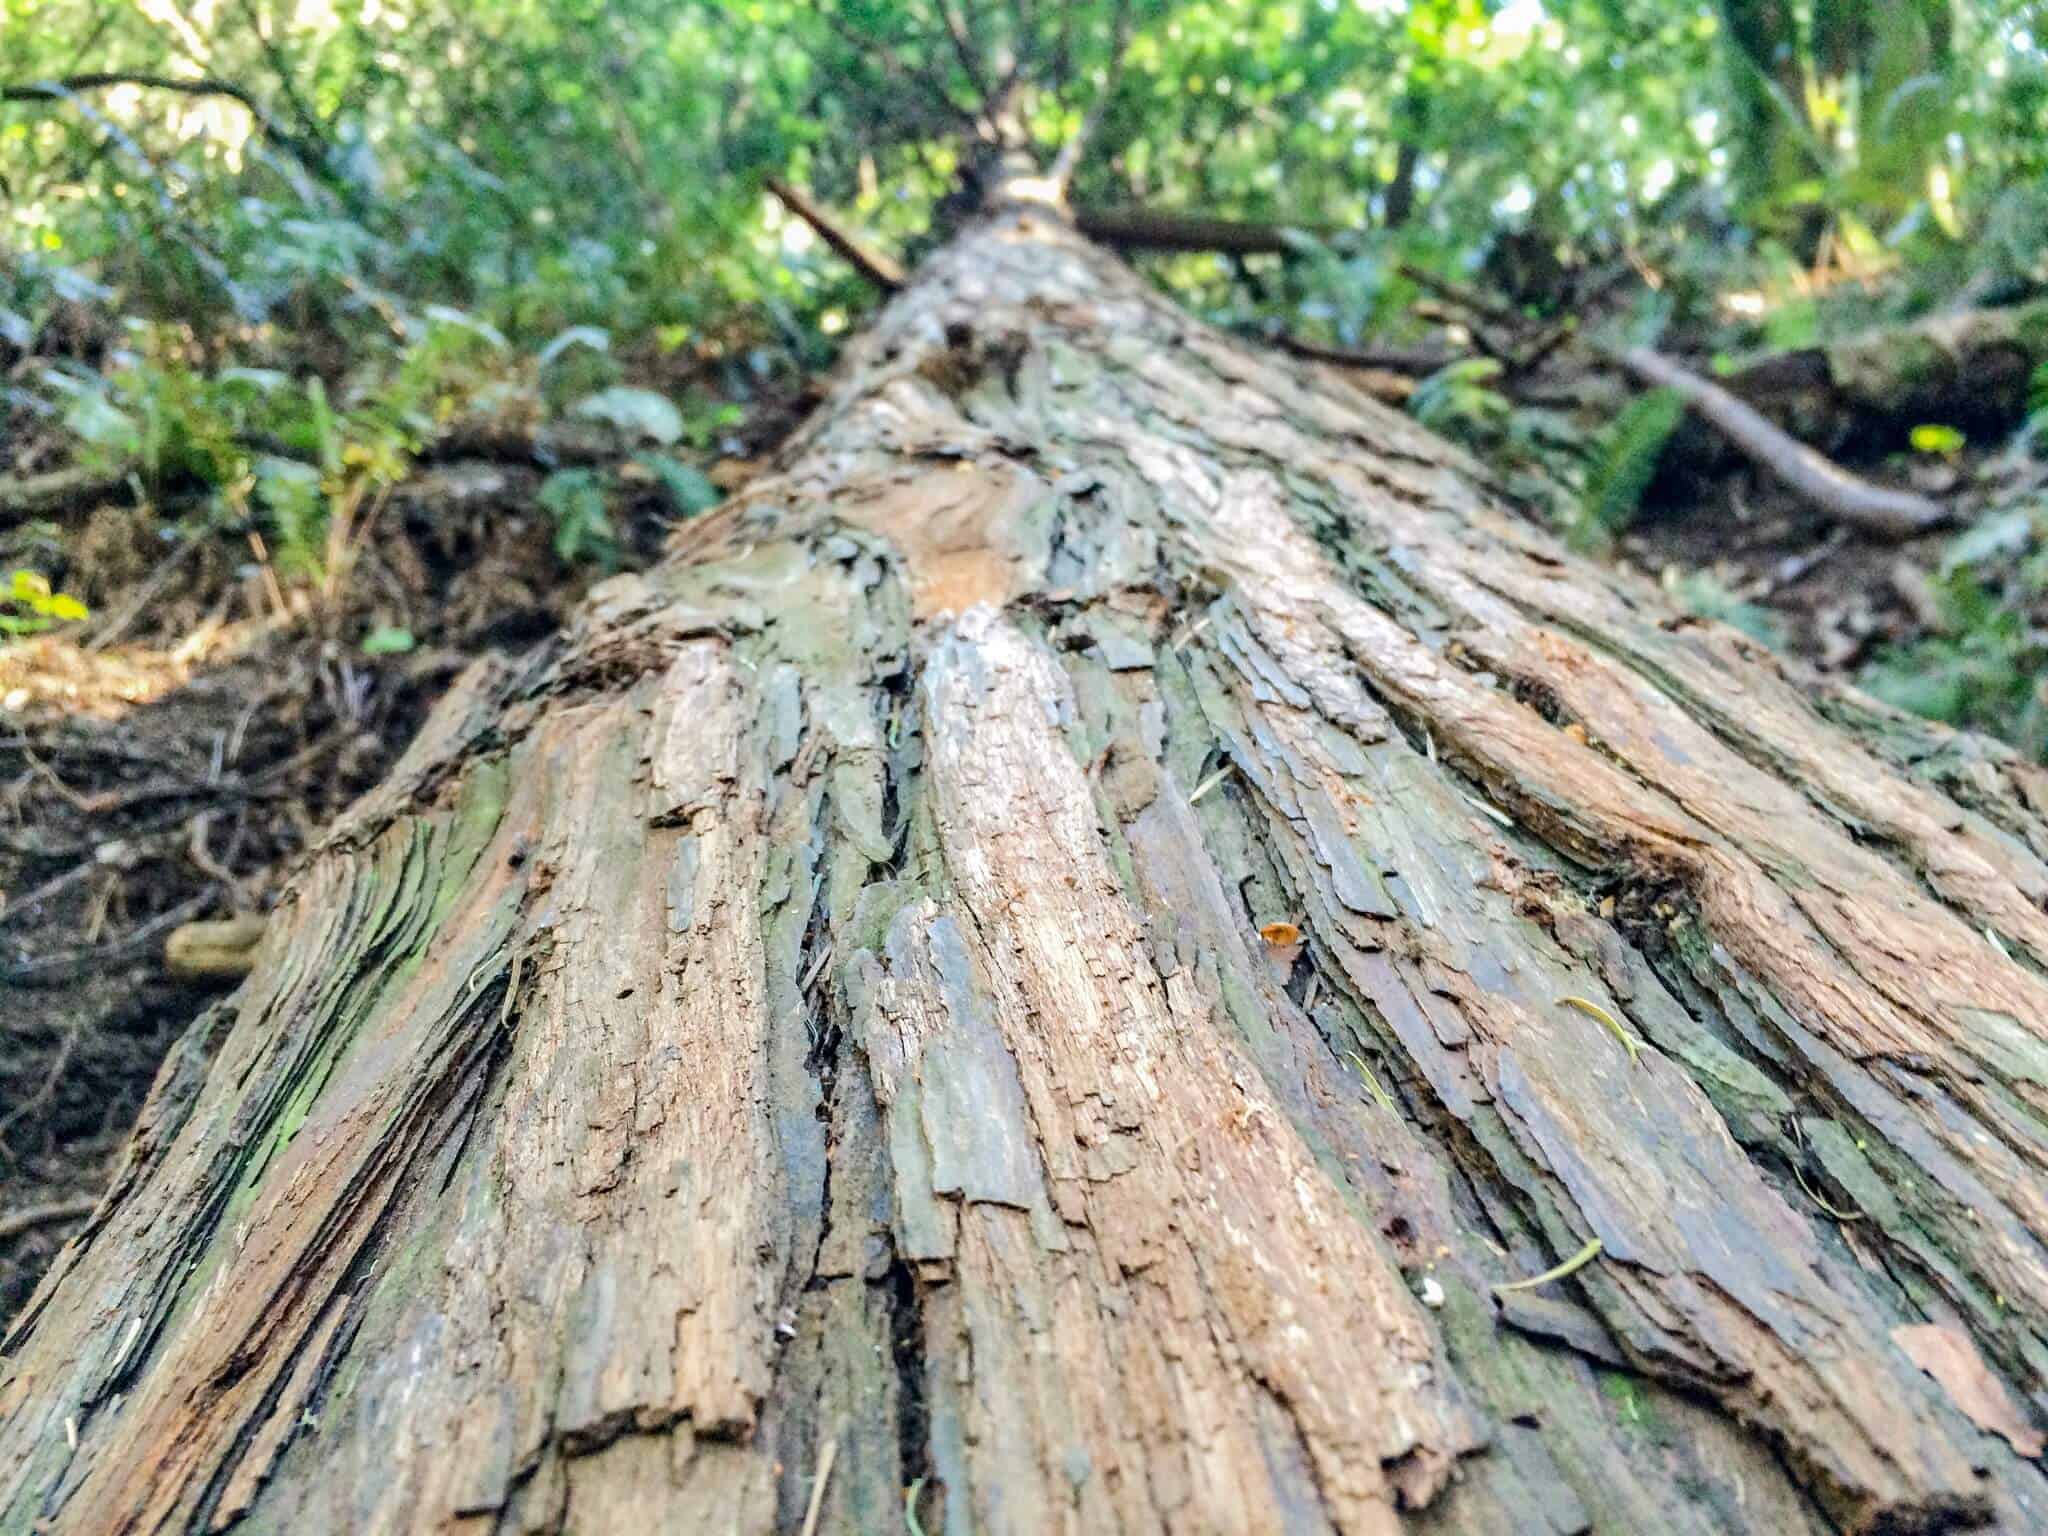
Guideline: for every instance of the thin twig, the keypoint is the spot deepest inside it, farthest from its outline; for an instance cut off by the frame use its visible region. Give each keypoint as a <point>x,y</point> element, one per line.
<point>1629,1043</point>
<point>1212,781</point>
<point>875,267</point>
<point>49,970</point>
<point>1380,1095</point>
<point>963,47</point>
<point>825,1459</point>
<point>1068,161</point>
<point>924,77</point>
<point>27,1219</point>
<point>52,1073</point>
<point>113,628</point>
<point>1845,1217</point>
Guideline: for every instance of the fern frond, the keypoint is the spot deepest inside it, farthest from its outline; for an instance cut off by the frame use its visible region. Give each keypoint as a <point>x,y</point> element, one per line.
<point>1625,458</point>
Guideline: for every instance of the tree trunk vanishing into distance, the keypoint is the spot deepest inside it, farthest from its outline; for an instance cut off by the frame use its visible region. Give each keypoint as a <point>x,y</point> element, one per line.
<point>832,1025</point>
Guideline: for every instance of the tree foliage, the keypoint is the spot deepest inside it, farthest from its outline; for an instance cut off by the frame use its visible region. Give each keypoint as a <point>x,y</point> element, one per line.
<point>265,249</point>
<point>561,161</point>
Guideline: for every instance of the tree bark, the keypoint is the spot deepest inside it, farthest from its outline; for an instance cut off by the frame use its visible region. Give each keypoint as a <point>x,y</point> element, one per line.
<point>1047,964</point>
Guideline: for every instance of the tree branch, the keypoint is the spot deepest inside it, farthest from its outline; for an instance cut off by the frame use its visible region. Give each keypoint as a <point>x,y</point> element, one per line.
<point>1458,294</point>
<point>963,48</point>
<point>1145,229</point>
<point>29,1217</point>
<point>1876,509</point>
<point>1068,161</point>
<point>55,491</point>
<point>37,90</point>
<point>309,151</point>
<point>72,85</point>
<point>1417,361</point>
<point>875,267</point>
<point>302,112</point>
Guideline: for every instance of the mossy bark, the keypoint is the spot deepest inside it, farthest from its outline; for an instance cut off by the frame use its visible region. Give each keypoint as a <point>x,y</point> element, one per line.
<point>839,1012</point>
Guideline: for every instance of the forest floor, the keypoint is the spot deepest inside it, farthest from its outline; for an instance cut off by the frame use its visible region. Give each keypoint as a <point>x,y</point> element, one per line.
<point>171,762</point>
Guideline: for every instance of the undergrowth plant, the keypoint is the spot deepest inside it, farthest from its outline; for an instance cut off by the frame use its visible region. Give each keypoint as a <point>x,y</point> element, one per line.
<point>1589,484</point>
<point>29,606</point>
<point>258,449</point>
<point>255,447</point>
<point>1623,459</point>
<point>1987,666</point>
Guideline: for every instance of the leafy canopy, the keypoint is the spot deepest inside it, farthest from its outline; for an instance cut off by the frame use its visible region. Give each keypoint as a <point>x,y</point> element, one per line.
<point>550,163</point>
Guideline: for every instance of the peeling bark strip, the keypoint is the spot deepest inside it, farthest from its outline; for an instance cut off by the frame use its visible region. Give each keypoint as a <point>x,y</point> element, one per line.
<point>803,1038</point>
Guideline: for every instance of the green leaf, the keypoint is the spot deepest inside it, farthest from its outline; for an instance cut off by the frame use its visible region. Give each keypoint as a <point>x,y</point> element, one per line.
<point>448,316</point>
<point>1626,458</point>
<point>1460,394</point>
<point>290,494</point>
<point>35,606</point>
<point>1706,595</point>
<point>1939,440</point>
<point>591,336</point>
<point>388,640</point>
<point>2002,535</point>
<point>95,419</point>
<point>264,381</point>
<point>583,528</point>
<point>1793,324</point>
<point>639,411</point>
<point>686,486</point>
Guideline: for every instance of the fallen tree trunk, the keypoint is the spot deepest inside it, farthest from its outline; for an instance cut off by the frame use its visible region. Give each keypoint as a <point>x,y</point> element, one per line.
<point>1860,397</point>
<point>1043,972</point>
<point>1968,368</point>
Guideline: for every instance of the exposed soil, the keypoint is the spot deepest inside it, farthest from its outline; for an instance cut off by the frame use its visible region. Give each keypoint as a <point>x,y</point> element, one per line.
<point>1829,597</point>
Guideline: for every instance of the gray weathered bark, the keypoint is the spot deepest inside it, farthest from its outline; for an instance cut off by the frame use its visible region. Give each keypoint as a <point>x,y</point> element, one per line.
<point>839,1013</point>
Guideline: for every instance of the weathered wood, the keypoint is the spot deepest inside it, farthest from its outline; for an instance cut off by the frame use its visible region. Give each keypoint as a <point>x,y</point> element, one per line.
<point>805,1024</point>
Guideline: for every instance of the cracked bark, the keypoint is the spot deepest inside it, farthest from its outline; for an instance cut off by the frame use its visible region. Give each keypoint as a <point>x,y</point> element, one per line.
<point>810,1002</point>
